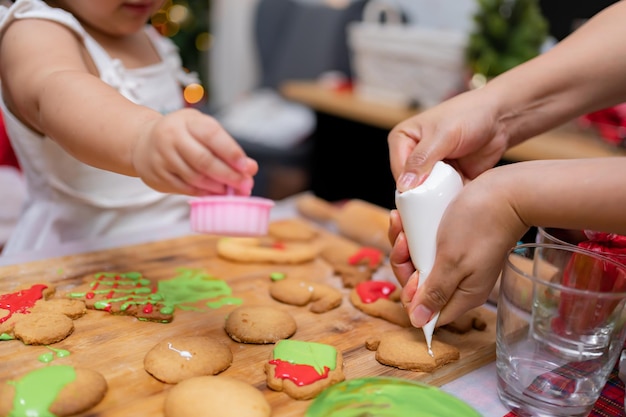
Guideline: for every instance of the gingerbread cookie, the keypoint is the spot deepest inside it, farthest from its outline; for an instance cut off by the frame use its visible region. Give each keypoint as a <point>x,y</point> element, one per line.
<point>177,359</point>
<point>353,263</point>
<point>407,349</point>
<point>215,396</point>
<point>303,369</point>
<point>32,316</point>
<point>380,299</point>
<point>322,297</point>
<point>292,230</point>
<point>53,390</point>
<point>252,250</point>
<point>471,320</point>
<point>128,293</point>
<point>259,324</point>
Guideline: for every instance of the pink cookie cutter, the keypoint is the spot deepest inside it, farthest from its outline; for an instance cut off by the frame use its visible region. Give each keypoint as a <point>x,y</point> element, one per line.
<point>231,215</point>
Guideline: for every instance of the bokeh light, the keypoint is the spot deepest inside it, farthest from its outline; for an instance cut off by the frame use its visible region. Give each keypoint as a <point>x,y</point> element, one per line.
<point>193,93</point>
<point>203,41</point>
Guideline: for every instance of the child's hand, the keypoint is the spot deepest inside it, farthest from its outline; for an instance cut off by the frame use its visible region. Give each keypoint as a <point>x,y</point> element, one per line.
<point>188,152</point>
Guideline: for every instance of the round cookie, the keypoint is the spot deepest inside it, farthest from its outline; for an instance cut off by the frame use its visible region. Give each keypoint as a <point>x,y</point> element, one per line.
<point>386,397</point>
<point>32,316</point>
<point>259,324</point>
<point>43,329</point>
<point>53,390</point>
<point>215,396</point>
<point>251,250</point>
<point>177,359</point>
<point>292,229</point>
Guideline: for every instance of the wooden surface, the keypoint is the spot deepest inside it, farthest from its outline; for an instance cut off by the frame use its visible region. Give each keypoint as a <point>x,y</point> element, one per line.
<point>555,144</point>
<point>116,345</point>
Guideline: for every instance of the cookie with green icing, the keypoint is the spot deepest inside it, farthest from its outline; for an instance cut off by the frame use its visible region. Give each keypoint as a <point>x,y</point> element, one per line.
<point>124,293</point>
<point>52,391</point>
<point>386,397</point>
<point>303,369</point>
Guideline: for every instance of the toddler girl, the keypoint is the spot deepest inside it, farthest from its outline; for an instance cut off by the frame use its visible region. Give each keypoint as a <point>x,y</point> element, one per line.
<point>92,101</point>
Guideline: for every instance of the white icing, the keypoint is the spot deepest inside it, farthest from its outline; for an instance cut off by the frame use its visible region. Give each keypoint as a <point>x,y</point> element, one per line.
<point>421,209</point>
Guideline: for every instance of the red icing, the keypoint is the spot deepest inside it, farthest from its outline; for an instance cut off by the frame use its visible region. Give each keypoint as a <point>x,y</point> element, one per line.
<point>372,255</point>
<point>278,245</point>
<point>148,308</point>
<point>370,291</point>
<point>21,301</point>
<point>298,374</point>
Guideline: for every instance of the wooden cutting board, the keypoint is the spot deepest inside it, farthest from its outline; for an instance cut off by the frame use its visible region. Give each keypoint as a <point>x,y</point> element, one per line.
<point>116,345</point>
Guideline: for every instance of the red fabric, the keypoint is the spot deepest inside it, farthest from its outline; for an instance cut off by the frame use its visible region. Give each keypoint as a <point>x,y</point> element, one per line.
<point>610,123</point>
<point>611,401</point>
<point>7,156</point>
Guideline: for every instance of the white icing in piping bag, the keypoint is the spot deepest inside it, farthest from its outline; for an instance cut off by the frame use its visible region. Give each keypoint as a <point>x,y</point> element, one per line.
<point>421,209</point>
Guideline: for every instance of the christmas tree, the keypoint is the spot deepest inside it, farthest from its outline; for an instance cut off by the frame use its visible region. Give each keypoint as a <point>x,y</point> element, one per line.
<point>187,24</point>
<point>507,33</point>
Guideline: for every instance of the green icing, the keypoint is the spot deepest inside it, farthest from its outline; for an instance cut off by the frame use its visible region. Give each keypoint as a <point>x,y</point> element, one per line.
<point>277,276</point>
<point>49,357</point>
<point>317,355</point>
<point>37,390</point>
<point>6,336</point>
<point>386,397</point>
<point>190,286</point>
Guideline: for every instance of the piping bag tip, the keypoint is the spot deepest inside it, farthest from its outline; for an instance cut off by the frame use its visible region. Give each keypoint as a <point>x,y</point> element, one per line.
<point>429,329</point>
<point>421,210</point>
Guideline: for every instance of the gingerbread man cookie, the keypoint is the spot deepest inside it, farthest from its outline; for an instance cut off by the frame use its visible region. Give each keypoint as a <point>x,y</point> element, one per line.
<point>33,317</point>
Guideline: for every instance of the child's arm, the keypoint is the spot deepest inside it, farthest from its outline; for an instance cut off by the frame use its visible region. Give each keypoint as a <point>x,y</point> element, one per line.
<point>47,83</point>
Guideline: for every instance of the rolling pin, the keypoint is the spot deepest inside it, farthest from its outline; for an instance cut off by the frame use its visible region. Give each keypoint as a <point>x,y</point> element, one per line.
<point>358,220</point>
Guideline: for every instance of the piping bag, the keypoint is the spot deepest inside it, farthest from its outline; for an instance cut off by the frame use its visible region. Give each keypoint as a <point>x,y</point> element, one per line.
<point>421,209</point>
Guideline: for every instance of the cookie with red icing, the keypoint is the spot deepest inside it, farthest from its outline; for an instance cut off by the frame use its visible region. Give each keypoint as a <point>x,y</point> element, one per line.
<point>380,299</point>
<point>57,390</point>
<point>303,369</point>
<point>352,262</point>
<point>124,293</point>
<point>34,317</point>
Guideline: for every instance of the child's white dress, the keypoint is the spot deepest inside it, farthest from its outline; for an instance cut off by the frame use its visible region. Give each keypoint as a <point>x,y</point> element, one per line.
<point>69,200</point>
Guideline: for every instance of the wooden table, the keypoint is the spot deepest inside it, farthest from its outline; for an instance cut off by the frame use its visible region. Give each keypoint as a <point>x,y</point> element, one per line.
<point>562,143</point>
<point>116,345</point>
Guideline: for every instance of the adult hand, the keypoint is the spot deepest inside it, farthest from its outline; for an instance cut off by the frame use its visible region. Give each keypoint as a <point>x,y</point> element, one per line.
<point>465,131</point>
<point>468,260</point>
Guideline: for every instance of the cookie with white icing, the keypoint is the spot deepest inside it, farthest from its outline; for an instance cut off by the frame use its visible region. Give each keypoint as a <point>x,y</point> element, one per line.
<point>178,358</point>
